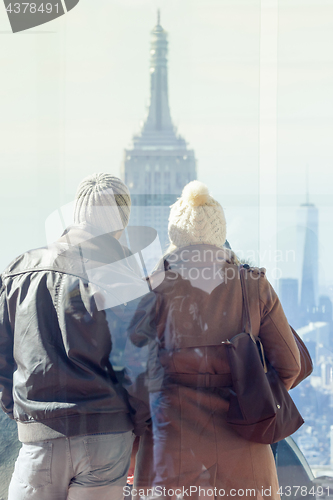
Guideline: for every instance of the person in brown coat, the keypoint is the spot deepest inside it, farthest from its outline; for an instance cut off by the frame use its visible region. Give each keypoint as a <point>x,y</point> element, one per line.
<point>189,451</point>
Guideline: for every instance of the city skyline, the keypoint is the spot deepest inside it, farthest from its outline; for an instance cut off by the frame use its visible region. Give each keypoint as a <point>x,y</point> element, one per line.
<point>74,94</point>
<point>72,111</point>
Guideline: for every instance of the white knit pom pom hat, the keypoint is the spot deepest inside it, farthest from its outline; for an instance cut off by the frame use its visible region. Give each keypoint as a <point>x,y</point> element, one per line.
<point>197,218</point>
<point>103,201</point>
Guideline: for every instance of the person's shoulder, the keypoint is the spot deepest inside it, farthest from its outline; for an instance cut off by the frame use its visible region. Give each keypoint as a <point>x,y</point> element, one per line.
<point>41,257</point>
<point>254,271</point>
<point>164,276</point>
<point>258,283</point>
<point>18,263</point>
<point>256,277</point>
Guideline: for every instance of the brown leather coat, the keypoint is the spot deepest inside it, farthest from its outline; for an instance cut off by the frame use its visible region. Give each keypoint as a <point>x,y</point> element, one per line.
<point>199,304</point>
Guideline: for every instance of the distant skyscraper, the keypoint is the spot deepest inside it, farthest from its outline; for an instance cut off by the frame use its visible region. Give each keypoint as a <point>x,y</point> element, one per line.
<point>307,257</point>
<point>288,291</point>
<point>158,164</point>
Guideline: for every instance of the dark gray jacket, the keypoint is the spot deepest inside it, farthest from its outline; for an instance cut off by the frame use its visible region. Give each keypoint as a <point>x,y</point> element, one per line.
<point>63,355</point>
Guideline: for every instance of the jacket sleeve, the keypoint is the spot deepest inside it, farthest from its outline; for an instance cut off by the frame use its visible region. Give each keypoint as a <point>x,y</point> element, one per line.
<point>276,336</point>
<point>139,357</point>
<point>6,356</point>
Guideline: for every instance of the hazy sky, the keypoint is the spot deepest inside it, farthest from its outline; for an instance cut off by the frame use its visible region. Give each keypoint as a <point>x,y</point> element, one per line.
<point>73,92</point>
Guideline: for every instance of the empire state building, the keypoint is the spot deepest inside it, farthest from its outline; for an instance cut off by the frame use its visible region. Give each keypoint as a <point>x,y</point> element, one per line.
<point>158,163</point>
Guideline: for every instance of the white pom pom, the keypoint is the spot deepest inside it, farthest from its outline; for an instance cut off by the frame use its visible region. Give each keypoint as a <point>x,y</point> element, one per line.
<point>195,193</point>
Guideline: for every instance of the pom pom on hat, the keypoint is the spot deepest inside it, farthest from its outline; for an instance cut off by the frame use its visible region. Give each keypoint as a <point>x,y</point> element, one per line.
<point>197,218</point>
<point>195,193</point>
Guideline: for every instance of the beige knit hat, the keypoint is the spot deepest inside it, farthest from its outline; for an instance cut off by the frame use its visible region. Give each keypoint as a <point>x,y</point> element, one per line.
<point>197,218</point>
<point>103,201</point>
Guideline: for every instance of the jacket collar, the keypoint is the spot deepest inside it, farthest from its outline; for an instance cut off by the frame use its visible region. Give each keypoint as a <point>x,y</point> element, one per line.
<point>79,248</point>
<point>93,244</point>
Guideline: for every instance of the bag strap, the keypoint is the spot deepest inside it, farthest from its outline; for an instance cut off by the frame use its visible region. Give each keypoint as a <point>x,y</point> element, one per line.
<point>247,318</point>
<point>246,308</point>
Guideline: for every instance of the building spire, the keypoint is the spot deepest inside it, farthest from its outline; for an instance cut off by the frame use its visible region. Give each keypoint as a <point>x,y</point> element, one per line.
<point>307,192</point>
<point>159,118</point>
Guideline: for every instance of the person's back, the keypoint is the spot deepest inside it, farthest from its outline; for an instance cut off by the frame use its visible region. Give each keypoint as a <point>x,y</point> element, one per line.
<point>199,306</point>
<point>58,336</point>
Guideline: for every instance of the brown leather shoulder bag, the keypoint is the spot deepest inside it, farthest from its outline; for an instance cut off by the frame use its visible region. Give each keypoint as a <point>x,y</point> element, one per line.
<point>261,408</point>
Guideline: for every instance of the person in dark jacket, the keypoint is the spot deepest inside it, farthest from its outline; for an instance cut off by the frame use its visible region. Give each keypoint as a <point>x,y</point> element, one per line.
<point>68,370</point>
